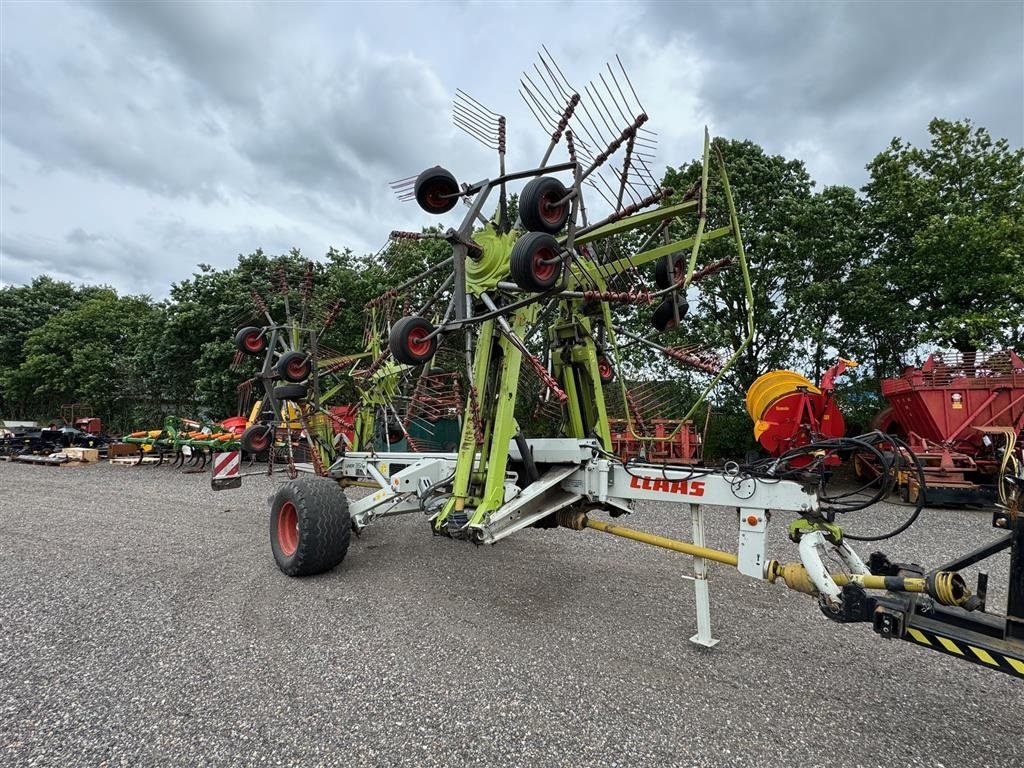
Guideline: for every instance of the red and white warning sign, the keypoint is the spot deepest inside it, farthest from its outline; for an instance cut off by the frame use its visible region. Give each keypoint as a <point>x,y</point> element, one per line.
<point>227,470</point>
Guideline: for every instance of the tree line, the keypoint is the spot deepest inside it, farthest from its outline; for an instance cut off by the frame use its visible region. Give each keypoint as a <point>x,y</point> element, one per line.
<point>929,253</point>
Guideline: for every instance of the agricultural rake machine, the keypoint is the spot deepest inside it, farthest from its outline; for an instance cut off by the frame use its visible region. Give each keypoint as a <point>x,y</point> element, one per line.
<point>524,321</point>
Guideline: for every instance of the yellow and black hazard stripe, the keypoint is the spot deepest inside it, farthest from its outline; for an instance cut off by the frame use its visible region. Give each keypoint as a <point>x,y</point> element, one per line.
<point>988,656</point>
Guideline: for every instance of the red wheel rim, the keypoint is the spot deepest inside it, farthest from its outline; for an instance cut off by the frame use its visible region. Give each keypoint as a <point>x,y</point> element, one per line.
<point>550,211</point>
<point>417,342</point>
<point>435,197</point>
<point>298,369</point>
<point>260,441</point>
<point>605,368</point>
<point>288,529</point>
<point>541,270</point>
<point>253,341</point>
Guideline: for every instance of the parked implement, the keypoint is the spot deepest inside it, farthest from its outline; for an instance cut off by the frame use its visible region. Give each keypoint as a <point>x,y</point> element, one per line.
<point>953,411</point>
<point>790,412</point>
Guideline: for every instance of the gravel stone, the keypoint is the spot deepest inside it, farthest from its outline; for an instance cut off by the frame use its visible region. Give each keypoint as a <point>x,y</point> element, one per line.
<point>143,622</point>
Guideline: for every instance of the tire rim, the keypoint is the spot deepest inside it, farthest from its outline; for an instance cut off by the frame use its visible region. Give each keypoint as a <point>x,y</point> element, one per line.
<point>417,343</point>
<point>298,369</point>
<point>436,197</point>
<point>253,342</point>
<point>550,211</point>
<point>259,441</point>
<point>288,529</point>
<point>544,265</point>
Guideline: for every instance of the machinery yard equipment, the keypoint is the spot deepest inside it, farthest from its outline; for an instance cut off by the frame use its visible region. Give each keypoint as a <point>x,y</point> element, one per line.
<point>790,412</point>
<point>185,440</point>
<point>518,327</point>
<point>954,411</point>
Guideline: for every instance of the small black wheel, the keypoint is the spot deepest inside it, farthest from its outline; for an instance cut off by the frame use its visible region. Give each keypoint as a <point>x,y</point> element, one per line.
<point>437,191</point>
<point>664,319</point>
<point>662,277</point>
<point>310,526</point>
<point>395,433</point>
<point>292,392</point>
<point>409,342</point>
<point>605,369</point>
<point>535,262</point>
<point>250,340</point>
<point>257,438</point>
<point>540,209</point>
<point>294,367</point>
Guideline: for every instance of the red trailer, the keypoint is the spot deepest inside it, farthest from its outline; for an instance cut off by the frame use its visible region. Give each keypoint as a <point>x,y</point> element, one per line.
<point>946,410</point>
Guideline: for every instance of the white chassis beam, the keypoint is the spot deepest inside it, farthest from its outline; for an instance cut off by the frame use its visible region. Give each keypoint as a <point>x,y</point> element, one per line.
<point>575,471</point>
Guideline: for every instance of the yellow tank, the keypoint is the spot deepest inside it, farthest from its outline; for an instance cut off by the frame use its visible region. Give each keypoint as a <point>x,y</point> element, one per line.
<point>767,389</point>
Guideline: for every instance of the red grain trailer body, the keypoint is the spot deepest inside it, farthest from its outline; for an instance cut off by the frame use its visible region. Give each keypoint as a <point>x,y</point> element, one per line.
<point>945,407</point>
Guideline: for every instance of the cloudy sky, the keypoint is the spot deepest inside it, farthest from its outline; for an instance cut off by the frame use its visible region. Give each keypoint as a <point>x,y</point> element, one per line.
<point>139,139</point>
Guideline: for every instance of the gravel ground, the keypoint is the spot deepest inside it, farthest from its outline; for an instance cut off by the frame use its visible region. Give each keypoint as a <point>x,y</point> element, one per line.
<point>143,622</point>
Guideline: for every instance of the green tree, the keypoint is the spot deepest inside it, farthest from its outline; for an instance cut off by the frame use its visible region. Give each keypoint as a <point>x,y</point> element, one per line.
<point>24,308</point>
<point>95,351</point>
<point>799,246</point>
<point>946,226</point>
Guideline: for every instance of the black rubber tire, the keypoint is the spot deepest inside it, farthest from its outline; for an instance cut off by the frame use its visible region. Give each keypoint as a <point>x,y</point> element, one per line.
<point>257,438</point>
<point>323,526</point>
<point>250,340</point>
<point>663,318</point>
<point>537,211</point>
<point>395,433</point>
<point>293,392</point>
<point>294,367</point>
<point>605,369</point>
<point>525,262</point>
<point>436,190</point>
<point>408,343</point>
<point>662,277</point>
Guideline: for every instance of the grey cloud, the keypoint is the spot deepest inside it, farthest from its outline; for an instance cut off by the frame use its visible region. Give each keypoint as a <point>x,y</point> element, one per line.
<point>125,122</point>
<point>222,47</point>
<point>850,76</point>
<point>90,259</point>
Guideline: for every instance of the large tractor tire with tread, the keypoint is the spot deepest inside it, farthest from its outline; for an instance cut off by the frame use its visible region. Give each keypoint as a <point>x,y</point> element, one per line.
<point>310,526</point>
<point>534,263</point>
<point>294,367</point>
<point>436,190</point>
<point>410,340</point>
<point>250,340</point>
<point>539,206</point>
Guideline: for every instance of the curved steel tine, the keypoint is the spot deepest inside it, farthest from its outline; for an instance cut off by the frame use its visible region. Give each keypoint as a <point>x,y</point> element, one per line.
<point>142,455</point>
